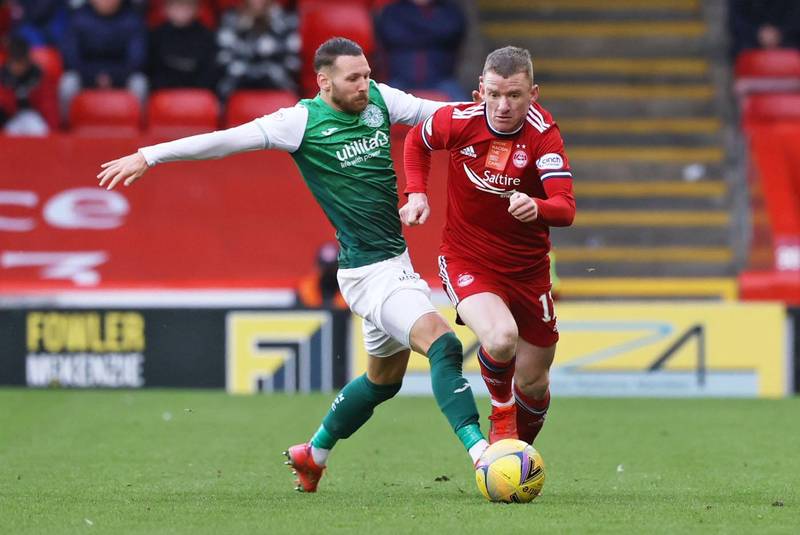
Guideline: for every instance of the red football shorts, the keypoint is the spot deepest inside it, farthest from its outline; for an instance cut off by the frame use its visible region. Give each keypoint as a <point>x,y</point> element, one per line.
<point>529,301</point>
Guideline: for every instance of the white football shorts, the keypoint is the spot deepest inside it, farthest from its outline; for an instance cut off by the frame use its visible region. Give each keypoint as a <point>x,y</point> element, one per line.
<point>390,297</point>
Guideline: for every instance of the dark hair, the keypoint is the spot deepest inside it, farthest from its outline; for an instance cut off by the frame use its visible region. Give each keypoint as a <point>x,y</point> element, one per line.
<point>508,61</point>
<point>331,49</point>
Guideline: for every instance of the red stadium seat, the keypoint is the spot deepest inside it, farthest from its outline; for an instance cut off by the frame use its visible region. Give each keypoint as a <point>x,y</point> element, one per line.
<point>49,60</point>
<point>5,19</point>
<point>772,108</point>
<point>246,105</point>
<point>173,113</point>
<point>319,21</point>
<point>223,5</point>
<point>105,113</point>
<point>45,99</point>
<point>8,101</point>
<point>767,71</point>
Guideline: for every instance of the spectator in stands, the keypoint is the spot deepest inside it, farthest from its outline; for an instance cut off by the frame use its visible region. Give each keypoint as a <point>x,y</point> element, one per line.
<point>259,48</point>
<point>40,22</point>
<point>321,288</point>
<point>105,47</point>
<point>764,24</point>
<point>20,81</point>
<point>182,50</point>
<point>421,39</point>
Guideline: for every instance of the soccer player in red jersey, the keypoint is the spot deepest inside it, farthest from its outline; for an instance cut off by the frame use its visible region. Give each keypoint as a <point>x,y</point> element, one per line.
<point>509,180</point>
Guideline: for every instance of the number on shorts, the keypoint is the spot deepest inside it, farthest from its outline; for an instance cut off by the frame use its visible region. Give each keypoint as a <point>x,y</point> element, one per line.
<point>546,299</point>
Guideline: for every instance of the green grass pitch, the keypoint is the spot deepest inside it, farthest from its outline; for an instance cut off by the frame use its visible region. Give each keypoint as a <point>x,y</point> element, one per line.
<point>204,462</point>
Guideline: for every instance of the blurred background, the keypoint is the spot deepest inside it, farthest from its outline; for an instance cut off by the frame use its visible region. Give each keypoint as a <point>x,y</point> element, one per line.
<point>681,119</point>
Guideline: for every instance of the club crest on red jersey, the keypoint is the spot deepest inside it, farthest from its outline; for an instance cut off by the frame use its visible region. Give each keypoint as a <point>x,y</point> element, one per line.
<point>519,159</point>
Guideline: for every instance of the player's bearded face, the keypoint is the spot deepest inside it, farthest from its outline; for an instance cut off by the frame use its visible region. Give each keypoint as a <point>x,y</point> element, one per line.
<point>349,83</point>
<point>507,99</point>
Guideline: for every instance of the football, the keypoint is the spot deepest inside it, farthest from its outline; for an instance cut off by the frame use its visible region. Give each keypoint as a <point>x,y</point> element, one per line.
<point>510,471</point>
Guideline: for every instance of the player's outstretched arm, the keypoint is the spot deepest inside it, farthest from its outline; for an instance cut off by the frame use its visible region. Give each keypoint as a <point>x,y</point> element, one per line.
<point>127,169</point>
<point>282,130</point>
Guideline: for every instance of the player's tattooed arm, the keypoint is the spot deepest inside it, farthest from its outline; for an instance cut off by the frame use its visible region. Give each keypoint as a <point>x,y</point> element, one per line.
<point>416,210</point>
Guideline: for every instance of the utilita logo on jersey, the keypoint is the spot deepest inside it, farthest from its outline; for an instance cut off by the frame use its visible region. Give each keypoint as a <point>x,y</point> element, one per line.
<point>363,149</point>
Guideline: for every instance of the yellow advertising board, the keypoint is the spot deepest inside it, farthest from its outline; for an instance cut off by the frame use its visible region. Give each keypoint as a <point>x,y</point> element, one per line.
<point>278,350</point>
<point>645,349</point>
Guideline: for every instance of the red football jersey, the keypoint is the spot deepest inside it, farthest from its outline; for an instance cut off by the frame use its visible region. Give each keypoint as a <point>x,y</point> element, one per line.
<point>486,168</point>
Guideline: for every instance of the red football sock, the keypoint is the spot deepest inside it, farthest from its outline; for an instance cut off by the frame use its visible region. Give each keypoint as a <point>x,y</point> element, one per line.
<point>530,414</point>
<point>497,375</point>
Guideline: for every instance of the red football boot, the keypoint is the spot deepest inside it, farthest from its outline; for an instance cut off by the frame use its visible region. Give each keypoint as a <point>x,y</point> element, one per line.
<point>502,423</point>
<point>307,472</point>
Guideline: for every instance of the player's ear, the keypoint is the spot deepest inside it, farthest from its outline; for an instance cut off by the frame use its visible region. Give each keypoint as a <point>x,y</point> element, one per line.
<point>535,92</point>
<point>480,88</point>
<point>324,81</point>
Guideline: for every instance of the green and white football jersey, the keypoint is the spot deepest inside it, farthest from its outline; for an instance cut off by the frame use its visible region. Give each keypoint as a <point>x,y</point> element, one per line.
<point>346,161</point>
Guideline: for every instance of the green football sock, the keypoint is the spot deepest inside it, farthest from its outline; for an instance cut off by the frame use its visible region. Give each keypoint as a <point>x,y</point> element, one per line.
<point>351,409</point>
<point>453,393</point>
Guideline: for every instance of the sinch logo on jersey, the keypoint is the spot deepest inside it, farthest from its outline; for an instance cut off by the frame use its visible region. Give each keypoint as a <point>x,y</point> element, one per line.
<point>550,161</point>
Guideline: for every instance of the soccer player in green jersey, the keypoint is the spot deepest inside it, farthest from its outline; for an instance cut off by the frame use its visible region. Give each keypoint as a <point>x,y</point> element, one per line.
<point>340,141</point>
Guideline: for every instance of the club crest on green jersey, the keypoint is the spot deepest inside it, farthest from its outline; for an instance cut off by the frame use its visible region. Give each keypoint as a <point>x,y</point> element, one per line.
<point>372,116</point>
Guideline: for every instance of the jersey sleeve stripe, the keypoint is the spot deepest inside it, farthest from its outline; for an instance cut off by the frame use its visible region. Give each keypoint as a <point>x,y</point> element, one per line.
<point>556,174</point>
<point>472,111</point>
<point>476,107</point>
<point>537,126</point>
<point>541,125</point>
<point>428,124</point>
<point>538,116</point>
<point>467,115</point>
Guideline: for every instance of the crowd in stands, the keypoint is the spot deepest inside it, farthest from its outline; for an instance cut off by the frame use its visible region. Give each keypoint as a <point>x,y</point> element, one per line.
<point>51,51</point>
